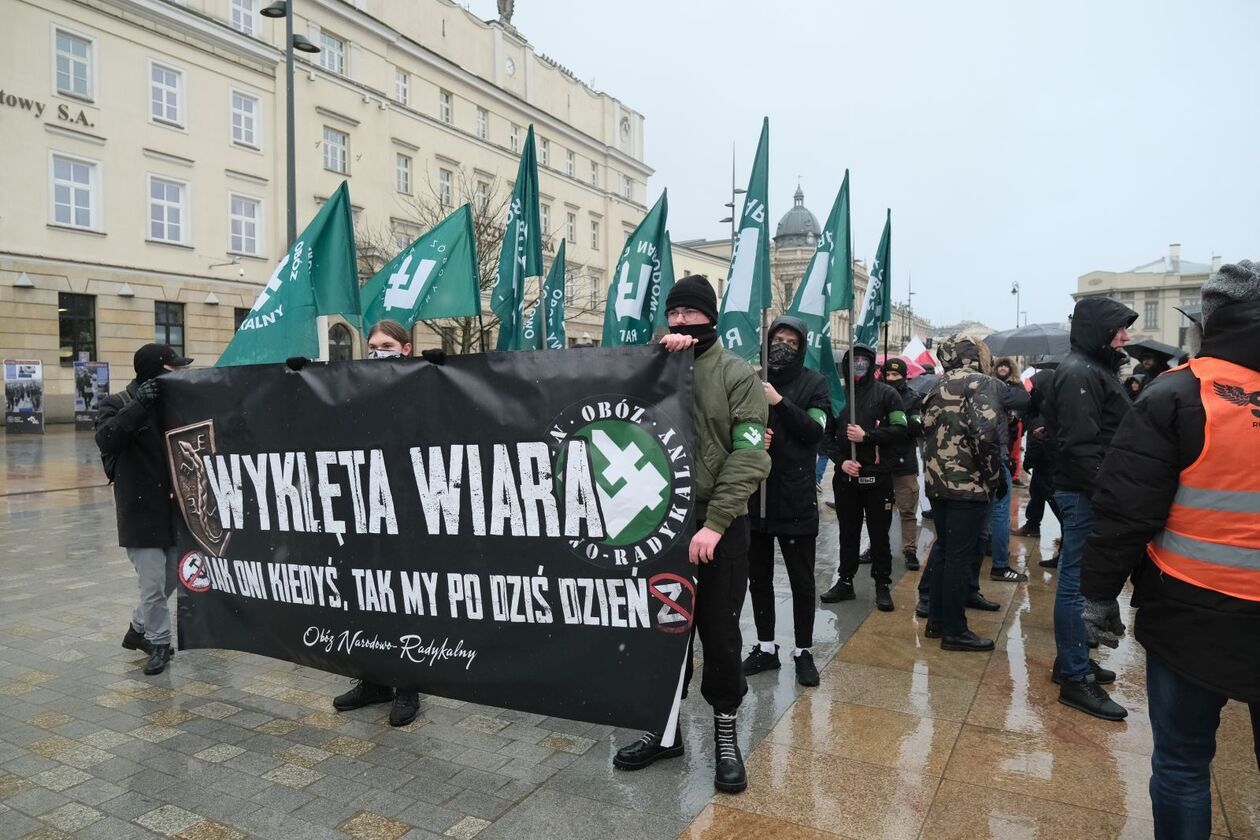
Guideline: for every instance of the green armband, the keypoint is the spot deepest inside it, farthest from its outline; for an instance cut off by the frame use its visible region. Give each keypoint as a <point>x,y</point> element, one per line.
<point>748,436</point>
<point>896,418</point>
<point>819,416</point>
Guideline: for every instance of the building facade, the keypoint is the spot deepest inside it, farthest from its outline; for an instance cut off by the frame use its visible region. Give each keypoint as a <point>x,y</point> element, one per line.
<point>144,188</point>
<point>1153,290</point>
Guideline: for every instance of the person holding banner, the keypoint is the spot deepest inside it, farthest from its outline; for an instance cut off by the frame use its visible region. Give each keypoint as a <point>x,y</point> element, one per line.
<point>130,439</point>
<point>905,460</point>
<point>799,400</point>
<point>730,414</point>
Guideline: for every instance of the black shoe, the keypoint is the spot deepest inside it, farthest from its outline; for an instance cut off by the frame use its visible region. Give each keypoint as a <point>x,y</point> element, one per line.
<point>912,560</point>
<point>830,504</point>
<point>976,601</point>
<point>1089,697</point>
<point>647,749</point>
<point>864,559</point>
<point>841,591</point>
<point>1101,675</point>
<point>1007,575</point>
<point>136,641</point>
<point>883,600</point>
<point>921,608</point>
<point>932,631</point>
<point>1027,530</point>
<point>729,777</point>
<point>968,641</point>
<point>406,705</point>
<point>363,694</point>
<point>806,672</point>
<point>758,660</point>
<point>159,655</point>
<point>1051,563</point>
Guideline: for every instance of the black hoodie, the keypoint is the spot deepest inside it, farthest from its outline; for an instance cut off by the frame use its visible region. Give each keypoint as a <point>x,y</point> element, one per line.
<point>880,414</point>
<point>1085,401</point>
<point>1209,638</point>
<point>791,503</point>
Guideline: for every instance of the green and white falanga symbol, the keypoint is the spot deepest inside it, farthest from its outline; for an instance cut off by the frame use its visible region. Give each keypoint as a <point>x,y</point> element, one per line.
<point>631,478</point>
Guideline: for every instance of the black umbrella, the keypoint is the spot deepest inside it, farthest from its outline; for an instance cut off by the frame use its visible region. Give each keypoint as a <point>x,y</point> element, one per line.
<point>1162,352</point>
<point>1193,311</point>
<point>924,383</point>
<point>1047,362</point>
<point>1032,340</point>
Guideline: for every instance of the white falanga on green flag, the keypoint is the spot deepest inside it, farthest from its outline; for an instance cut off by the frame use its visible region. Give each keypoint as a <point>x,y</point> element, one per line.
<point>545,328</point>
<point>748,284</point>
<point>827,287</point>
<point>317,276</point>
<point>877,308</point>
<point>433,277</point>
<point>521,254</point>
<point>641,282</point>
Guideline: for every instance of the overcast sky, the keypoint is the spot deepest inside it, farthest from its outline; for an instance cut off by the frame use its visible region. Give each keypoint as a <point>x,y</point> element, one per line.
<point>1028,141</point>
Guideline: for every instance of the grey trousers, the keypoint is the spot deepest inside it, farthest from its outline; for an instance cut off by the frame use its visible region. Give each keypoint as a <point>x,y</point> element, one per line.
<point>157,573</point>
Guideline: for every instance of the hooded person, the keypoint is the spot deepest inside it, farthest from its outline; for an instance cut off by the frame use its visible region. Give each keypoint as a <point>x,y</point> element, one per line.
<point>1084,406</point>
<point>864,454</point>
<point>995,534</point>
<point>962,466</point>
<point>905,460</point>
<point>129,437</point>
<point>799,405</point>
<point>730,415</point>
<point>1176,508</point>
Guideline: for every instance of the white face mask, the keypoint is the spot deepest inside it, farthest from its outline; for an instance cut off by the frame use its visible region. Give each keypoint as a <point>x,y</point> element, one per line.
<point>384,354</point>
<point>861,366</point>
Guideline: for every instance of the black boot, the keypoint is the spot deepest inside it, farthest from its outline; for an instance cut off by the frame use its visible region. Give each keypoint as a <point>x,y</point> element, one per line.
<point>1089,697</point>
<point>921,607</point>
<point>841,591</point>
<point>135,640</point>
<point>976,601</point>
<point>758,660</point>
<point>406,705</point>
<point>912,560</point>
<point>967,641</point>
<point>932,631</point>
<point>647,749</point>
<point>864,558</point>
<point>1101,675</point>
<point>363,693</point>
<point>159,655</point>
<point>883,599</point>
<point>806,671</point>
<point>729,777</point>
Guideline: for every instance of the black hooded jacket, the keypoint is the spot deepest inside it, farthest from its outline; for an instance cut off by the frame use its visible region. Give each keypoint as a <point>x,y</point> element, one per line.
<point>1209,638</point>
<point>142,483</point>
<point>791,503</point>
<point>1085,401</point>
<point>879,413</point>
<point>905,455</point>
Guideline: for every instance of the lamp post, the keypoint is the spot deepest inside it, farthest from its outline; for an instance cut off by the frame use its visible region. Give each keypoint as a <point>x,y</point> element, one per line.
<point>1015,292</point>
<point>735,191</point>
<point>284,9</point>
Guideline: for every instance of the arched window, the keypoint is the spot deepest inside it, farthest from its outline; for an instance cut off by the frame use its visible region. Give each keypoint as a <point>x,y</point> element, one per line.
<point>340,344</point>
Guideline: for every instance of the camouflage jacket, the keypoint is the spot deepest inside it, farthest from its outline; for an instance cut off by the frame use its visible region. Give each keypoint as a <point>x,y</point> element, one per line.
<point>962,419</point>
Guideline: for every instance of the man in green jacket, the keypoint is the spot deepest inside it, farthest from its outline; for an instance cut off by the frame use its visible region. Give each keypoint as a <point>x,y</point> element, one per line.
<point>730,412</point>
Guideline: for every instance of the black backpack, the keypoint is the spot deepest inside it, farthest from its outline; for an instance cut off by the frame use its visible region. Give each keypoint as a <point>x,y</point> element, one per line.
<point>109,460</point>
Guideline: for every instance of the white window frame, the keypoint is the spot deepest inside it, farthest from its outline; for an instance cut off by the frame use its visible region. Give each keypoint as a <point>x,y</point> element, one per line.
<point>402,86</point>
<point>446,106</point>
<point>594,234</point>
<point>185,221</point>
<point>571,227</point>
<point>446,181</point>
<point>482,196</point>
<point>544,218</point>
<point>326,55</point>
<point>256,129</point>
<point>403,168</point>
<point>259,225</point>
<point>544,151</point>
<point>96,201</point>
<point>483,123</point>
<point>570,163</point>
<point>181,109</point>
<point>594,174</point>
<point>514,139</point>
<point>92,64</point>
<point>248,15</point>
<point>627,187</point>
<point>345,150</point>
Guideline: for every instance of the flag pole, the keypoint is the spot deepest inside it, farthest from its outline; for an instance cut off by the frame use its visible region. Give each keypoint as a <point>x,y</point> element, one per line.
<point>885,342</point>
<point>852,380</point>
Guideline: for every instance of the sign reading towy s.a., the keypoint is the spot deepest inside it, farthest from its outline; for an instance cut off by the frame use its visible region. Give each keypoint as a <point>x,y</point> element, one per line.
<point>510,528</point>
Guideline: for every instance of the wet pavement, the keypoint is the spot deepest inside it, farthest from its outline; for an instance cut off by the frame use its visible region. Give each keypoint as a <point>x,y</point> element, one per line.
<point>900,740</point>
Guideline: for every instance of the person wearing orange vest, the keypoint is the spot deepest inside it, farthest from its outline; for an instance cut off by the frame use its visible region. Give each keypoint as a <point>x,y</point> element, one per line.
<point>1177,507</point>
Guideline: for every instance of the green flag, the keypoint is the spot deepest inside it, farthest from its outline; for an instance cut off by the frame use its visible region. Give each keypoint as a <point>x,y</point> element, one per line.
<point>318,276</point>
<point>641,282</point>
<point>433,277</point>
<point>748,280</point>
<point>877,308</point>
<point>548,334</point>
<point>521,254</point>
<point>827,287</point>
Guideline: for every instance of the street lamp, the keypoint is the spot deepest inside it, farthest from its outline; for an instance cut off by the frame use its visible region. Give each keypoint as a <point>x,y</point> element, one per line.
<point>1015,292</point>
<point>284,9</point>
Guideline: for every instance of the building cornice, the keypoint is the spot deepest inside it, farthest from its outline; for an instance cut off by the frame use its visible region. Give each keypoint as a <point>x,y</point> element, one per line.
<point>188,22</point>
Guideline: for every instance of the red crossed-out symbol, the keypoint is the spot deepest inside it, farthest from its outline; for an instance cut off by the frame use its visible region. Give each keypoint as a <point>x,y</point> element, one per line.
<point>192,572</point>
<point>678,597</point>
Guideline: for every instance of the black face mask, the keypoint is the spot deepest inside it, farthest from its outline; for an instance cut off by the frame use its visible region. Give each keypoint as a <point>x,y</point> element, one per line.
<point>705,334</point>
<point>782,354</point>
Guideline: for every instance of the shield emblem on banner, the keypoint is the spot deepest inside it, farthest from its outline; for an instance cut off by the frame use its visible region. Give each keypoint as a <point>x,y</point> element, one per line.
<point>185,447</point>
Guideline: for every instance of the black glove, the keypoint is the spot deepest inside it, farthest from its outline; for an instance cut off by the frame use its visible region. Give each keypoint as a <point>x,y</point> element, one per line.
<point>1102,622</point>
<point>1003,487</point>
<point>149,393</point>
<point>297,362</point>
<point>434,356</point>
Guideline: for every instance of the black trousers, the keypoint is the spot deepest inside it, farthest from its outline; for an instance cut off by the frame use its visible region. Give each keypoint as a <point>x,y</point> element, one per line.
<point>1040,494</point>
<point>870,497</point>
<point>720,587</point>
<point>798,558</point>
<point>953,561</point>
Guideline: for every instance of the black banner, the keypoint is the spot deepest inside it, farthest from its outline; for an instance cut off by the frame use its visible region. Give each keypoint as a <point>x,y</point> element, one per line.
<point>509,528</point>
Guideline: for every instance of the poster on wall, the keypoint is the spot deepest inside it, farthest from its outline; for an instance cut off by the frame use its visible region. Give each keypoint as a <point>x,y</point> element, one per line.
<point>24,396</point>
<point>91,387</point>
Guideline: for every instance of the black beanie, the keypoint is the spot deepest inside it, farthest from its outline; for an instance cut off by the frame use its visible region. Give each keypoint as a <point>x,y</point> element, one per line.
<point>895,365</point>
<point>694,291</point>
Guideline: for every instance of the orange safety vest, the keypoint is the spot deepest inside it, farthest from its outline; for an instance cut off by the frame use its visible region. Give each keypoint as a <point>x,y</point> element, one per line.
<point>1212,536</point>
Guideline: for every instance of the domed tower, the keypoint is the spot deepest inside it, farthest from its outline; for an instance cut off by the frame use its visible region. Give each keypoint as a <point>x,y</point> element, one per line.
<point>795,239</point>
<point>798,228</point>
